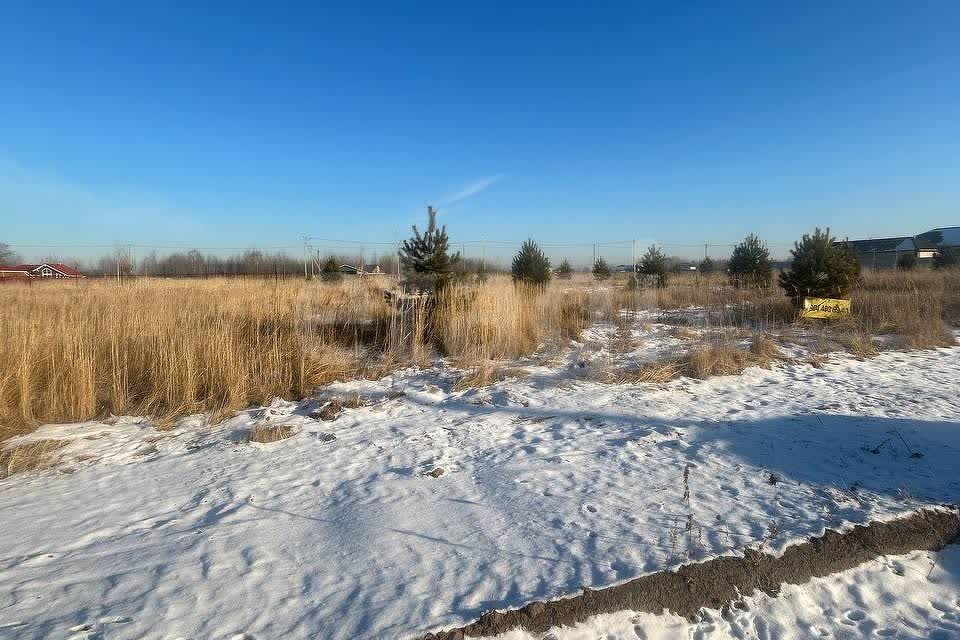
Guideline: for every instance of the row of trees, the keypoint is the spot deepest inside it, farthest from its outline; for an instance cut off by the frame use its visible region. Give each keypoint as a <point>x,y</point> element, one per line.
<point>819,267</point>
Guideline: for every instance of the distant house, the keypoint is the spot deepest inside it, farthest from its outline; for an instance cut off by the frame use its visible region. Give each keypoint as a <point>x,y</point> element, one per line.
<point>13,272</point>
<point>362,270</point>
<point>55,270</point>
<point>883,252</point>
<point>939,239</point>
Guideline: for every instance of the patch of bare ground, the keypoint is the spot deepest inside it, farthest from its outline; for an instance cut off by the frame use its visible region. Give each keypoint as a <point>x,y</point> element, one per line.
<point>719,582</point>
<point>705,361</point>
<point>487,374</point>
<point>29,456</point>
<point>725,358</point>
<point>652,372</point>
<point>683,333</point>
<point>861,345</point>
<point>266,433</point>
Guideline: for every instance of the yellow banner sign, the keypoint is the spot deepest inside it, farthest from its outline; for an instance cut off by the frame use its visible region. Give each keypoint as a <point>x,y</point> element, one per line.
<point>826,308</point>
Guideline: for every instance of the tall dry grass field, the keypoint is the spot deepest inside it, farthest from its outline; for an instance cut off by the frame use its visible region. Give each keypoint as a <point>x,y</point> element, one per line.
<point>164,348</point>
<point>919,306</point>
<point>499,320</point>
<point>160,348</point>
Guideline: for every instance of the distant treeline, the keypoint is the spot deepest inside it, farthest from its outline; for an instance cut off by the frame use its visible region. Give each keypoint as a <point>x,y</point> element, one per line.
<point>252,263</point>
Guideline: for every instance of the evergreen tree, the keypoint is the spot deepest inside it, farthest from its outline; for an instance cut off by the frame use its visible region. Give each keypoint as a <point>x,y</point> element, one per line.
<point>565,271</point>
<point>601,270</point>
<point>530,265</point>
<point>428,256</point>
<point>749,264</point>
<point>907,261</point>
<point>331,270</point>
<point>707,266</point>
<point>946,258</point>
<point>653,266</point>
<point>820,268</point>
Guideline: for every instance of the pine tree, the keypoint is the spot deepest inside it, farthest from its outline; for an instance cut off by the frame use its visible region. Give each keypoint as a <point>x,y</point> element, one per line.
<point>749,264</point>
<point>427,255</point>
<point>707,266</point>
<point>653,265</point>
<point>530,265</point>
<point>601,270</point>
<point>565,271</point>
<point>820,268</point>
<point>331,270</point>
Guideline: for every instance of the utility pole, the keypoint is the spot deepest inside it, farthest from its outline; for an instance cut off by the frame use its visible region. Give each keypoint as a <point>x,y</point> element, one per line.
<point>305,258</point>
<point>594,255</point>
<point>634,257</point>
<point>704,250</point>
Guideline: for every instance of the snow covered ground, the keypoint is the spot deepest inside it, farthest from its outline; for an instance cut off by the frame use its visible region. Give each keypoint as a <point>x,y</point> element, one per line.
<point>549,483</point>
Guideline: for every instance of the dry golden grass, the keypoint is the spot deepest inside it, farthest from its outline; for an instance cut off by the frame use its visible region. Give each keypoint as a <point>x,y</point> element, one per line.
<point>763,348</point>
<point>653,373</point>
<point>725,358</point>
<point>860,344</point>
<point>486,374</point>
<point>266,433</point>
<point>500,320</point>
<point>716,360</point>
<point>917,306</point>
<point>683,333</point>
<point>164,348</point>
<point>28,456</point>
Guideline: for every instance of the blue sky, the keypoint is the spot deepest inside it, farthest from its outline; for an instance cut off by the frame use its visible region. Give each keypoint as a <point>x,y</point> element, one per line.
<point>680,123</point>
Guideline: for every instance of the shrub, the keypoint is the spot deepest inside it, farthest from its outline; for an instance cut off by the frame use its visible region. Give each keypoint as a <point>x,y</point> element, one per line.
<point>653,265</point>
<point>601,271</point>
<point>530,265</point>
<point>331,270</point>
<point>907,261</point>
<point>707,266</point>
<point>565,271</point>
<point>428,255</point>
<point>820,268</point>
<point>946,258</point>
<point>749,264</point>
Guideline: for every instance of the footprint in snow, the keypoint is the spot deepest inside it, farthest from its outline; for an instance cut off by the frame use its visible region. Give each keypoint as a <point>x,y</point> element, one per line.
<point>853,616</point>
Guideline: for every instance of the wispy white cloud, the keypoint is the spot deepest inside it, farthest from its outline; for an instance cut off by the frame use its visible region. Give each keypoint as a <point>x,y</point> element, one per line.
<point>471,189</point>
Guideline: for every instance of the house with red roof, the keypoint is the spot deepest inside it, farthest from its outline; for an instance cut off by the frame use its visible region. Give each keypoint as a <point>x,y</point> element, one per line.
<point>46,270</point>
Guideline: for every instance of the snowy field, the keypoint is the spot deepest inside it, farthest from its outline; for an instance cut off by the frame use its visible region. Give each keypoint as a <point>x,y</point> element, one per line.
<point>422,510</point>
